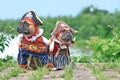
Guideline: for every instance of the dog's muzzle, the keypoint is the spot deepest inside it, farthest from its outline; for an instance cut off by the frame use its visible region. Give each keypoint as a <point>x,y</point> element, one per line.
<point>67,36</point>
<point>22,29</point>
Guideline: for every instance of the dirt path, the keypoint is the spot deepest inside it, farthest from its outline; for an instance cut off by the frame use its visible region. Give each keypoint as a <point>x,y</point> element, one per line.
<point>113,75</point>
<point>80,72</point>
<point>54,75</point>
<point>23,76</point>
<point>5,71</point>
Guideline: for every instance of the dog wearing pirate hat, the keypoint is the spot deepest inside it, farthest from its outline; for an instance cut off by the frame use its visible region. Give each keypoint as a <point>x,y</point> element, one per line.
<point>31,42</point>
<point>61,39</point>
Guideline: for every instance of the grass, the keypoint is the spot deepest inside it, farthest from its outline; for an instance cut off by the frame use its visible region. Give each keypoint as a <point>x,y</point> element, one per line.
<point>99,68</point>
<point>62,75</point>
<point>12,73</point>
<point>68,73</point>
<point>96,68</point>
<point>4,65</point>
<point>39,73</point>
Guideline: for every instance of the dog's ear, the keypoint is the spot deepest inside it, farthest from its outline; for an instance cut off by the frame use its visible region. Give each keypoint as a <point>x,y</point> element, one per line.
<point>60,25</point>
<point>32,17</point>
<point>73,31</point>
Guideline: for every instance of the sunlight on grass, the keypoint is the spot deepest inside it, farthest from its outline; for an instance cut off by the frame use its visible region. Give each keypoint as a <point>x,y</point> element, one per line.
<point>68,73</point>
<point>98,68</point>
<point>39,73</point>
<point>12,73</point>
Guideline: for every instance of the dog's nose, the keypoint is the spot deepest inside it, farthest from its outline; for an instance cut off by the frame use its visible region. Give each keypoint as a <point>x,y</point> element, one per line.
<point>23,30</point>
<point>19,29</point>
<point>68,39</point>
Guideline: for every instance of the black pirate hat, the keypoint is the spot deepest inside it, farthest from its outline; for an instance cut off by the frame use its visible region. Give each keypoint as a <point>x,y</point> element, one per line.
<point>31,16</point>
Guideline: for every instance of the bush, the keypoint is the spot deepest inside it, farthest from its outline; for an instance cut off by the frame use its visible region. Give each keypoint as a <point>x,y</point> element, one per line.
<point>106,49</point>
<point>4,41</point>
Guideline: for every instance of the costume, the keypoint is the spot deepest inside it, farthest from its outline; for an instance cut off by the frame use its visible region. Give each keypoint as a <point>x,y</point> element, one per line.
<point>35,45</point>
<point>58,47</point>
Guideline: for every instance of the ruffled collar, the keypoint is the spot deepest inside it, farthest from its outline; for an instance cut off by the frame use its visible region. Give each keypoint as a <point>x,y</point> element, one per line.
<point>33,38</point>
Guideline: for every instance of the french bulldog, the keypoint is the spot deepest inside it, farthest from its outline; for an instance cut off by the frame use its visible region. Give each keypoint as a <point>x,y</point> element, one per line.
<point>33,46</point>
<point>26,28</point>
<point>62,38</point>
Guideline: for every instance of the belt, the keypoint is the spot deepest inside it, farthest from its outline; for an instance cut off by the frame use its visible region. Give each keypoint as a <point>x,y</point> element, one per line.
<point>34,48</point>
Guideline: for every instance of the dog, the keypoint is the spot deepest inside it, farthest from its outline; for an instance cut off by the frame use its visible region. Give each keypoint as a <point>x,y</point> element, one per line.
<point>61,39</point>
<point>33,46</point>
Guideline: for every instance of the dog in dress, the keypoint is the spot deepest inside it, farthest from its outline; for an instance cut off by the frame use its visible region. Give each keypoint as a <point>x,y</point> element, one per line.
<point>61,39</point>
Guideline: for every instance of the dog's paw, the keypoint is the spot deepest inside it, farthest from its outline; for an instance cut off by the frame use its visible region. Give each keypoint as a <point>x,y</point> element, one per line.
<point>53,69</point>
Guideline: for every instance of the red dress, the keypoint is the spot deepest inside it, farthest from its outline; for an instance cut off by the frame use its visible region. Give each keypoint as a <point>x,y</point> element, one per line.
<point>61,56</point>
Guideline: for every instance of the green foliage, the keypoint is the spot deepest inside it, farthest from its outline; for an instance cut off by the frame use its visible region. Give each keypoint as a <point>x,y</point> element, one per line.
<point>68,73</point>
<point>88,23</point>
<point>96,70</point>
<point>106,49</point>
<point>7,62</point>
<point>38,75</point>
<point>4,41</point>
<point>7,59</point>
<point>8,26</point>
<point>12,73</point>
<point>82,59</point>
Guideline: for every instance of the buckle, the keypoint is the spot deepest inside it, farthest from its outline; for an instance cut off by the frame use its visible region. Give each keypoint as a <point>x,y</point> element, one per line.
<point>33,47</point>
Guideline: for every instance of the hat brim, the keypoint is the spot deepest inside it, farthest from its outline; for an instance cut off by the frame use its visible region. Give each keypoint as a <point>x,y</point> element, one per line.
<point>62,24</point>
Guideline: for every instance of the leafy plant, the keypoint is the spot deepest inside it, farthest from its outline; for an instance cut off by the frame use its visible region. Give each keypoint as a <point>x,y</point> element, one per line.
<point>106,49</point>
<point>4,41</point>
<point>82,59</point>
<point>8,59</point>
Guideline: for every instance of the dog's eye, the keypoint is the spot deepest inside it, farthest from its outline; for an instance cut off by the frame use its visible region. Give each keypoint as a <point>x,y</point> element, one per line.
<point>26,23</point>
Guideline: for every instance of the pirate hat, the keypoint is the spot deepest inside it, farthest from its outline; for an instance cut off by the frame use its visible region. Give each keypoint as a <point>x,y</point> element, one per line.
<point>60,25</point>
<point>32,17</point>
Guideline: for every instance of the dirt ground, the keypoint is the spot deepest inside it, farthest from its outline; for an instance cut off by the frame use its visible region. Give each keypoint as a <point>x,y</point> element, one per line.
<point>80,72</point>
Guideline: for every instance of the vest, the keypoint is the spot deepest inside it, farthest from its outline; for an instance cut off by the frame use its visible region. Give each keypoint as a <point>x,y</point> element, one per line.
<point>36,46</point>
<point>57,46</point>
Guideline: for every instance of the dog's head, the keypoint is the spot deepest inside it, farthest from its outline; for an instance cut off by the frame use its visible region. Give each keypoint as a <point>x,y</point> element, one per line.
<point>26,28</point>
<point>63,32</point>
<point>29,24</point>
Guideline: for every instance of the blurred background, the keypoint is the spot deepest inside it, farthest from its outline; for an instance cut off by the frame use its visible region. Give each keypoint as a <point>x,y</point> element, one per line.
<point>14,9</point>
<point>97,23</point>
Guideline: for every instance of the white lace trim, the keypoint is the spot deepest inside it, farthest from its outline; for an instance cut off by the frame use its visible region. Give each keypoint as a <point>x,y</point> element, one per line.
<point>33,38</point>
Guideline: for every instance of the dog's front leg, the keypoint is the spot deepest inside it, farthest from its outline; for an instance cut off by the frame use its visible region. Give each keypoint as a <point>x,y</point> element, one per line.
<point>28,62</point>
